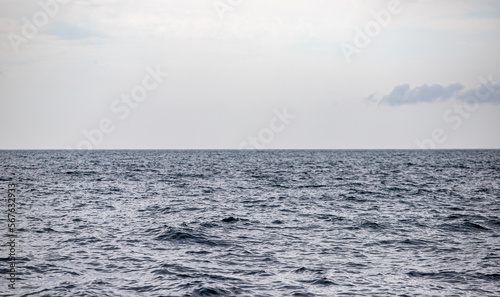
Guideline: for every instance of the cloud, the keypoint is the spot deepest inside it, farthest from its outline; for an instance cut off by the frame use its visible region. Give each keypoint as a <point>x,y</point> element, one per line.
<point>487,92</point>
<point>66,31</point>
<point>403,94</point>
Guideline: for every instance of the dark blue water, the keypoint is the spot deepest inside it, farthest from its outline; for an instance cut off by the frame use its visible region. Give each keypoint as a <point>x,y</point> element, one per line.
<point>248,223</point>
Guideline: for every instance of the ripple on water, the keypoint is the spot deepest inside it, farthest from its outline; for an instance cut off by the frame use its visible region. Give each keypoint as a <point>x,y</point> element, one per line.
<point>256,223</point>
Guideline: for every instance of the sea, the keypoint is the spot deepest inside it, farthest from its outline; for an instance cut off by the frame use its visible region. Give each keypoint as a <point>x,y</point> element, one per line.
<point>251,223</point>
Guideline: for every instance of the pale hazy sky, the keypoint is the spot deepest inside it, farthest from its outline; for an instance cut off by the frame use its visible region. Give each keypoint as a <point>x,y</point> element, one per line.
<point>249,73</point>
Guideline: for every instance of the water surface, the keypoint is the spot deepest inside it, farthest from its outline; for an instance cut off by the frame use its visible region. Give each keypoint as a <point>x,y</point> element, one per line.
<point>255,223</point>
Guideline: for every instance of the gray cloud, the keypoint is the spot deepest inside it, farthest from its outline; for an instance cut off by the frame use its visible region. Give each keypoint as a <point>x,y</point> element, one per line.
<point>403,94</point>
<point>67,31</point>
<point>489,92</point>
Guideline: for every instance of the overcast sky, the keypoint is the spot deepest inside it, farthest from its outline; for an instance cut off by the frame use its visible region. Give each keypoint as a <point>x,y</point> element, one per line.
<point>316,74</point>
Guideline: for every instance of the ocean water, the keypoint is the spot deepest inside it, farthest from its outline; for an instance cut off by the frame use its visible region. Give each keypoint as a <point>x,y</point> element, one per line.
<point>253,223</point>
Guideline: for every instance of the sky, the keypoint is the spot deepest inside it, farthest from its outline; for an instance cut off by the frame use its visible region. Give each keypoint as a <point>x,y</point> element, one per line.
<point>249,74</point>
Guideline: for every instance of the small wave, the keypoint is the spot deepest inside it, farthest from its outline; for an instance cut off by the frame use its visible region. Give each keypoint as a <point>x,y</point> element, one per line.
<point>330,218</point>
<point>466,226</point>
<point>304,270</point>
<point>358,199</point>
<point>311,186</point>
<point>455,216</point>
<point>370,225</point>
<point>209,224</point>
<point>175,235</point>
<point>449,276</point>
<point>454,276</point>
<point>84,173</point>
<point>141,289</point>
<point>198,252</point>
<point>417,242</point>
<point>156,209</point>
<point>475,226</point>
<point>187,235</point>
<point>381,242</point>
<point>301,270</point>
<point>207,291</point>
<point>323,282</point>
<point>84,240</point>
<point>175,269</point>
<point>302,294</point>
<point>230,220</point>
<point>356,265</point>
<point>490,276</point>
